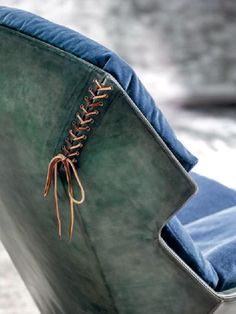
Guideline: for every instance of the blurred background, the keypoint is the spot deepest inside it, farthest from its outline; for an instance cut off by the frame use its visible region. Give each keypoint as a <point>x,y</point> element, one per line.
<point>185,53</point>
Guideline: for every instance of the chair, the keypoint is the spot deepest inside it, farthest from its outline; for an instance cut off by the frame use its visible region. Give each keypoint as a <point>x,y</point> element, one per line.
<point>72,112</point>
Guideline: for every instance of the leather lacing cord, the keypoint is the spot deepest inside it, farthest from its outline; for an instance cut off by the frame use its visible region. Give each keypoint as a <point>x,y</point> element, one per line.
<point>72,149</point>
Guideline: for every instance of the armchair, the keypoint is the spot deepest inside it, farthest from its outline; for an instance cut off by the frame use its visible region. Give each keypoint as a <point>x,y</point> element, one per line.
<point>75,113</point>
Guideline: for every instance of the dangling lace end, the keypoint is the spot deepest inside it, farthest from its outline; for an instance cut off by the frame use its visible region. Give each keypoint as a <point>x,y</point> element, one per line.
<point>71,219</point>
<point>59,230</point>
<point>52,174</point>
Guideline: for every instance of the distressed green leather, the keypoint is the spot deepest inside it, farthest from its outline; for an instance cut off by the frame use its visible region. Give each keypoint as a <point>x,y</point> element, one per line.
<point>133,184</point>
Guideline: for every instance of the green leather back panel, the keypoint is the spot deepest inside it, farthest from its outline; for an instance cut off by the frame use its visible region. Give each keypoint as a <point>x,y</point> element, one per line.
<point>114,263</point>
<point>41,89</point>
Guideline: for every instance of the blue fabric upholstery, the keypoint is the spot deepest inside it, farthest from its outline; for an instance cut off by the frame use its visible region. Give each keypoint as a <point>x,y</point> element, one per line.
<point>211,197</point>
<point>215,236</point>
<point>180,241</point>
<point>92,52</point>
<point>203,233</point>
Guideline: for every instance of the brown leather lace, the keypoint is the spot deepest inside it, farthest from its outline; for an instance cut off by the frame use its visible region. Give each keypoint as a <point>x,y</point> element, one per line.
<point>72,149</point>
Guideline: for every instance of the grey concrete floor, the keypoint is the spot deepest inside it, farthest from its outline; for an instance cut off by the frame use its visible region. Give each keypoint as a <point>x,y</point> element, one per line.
<point>206,127</point>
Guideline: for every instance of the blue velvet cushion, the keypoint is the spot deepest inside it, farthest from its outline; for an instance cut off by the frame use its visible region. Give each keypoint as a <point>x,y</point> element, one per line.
<point>180,241</point>
<point>92,52</point>
<point>211,197</point>
<point>215,236</point>
<point>203,233</point>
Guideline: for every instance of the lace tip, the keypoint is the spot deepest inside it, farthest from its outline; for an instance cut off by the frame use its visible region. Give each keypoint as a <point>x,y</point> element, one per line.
<point>59,234</point>
<point>59,230</point>
<point>71,235</point>
<point>45,192</point>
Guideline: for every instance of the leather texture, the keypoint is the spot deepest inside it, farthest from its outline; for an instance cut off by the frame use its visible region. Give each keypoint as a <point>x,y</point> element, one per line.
<point>115,262</point>
<point>94,53</point>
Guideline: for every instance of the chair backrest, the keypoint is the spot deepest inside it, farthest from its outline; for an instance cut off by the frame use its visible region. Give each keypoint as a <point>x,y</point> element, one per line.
<point>133,184</point>
<point>86,49</point>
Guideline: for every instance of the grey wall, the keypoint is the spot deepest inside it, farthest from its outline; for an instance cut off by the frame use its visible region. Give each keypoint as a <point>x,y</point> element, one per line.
<point>180,48</point>
<point>192,42</point>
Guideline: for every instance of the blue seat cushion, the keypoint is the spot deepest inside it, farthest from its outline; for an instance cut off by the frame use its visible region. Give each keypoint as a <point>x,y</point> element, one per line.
<point>94,53</point>
<point>215,236</point>
<point>177,237</point>
<point>211,198</point>
<point>203,233</point>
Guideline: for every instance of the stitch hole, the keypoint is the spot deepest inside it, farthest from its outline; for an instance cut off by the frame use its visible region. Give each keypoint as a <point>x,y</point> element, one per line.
<point>64,148</point>
<point>67,139</point>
